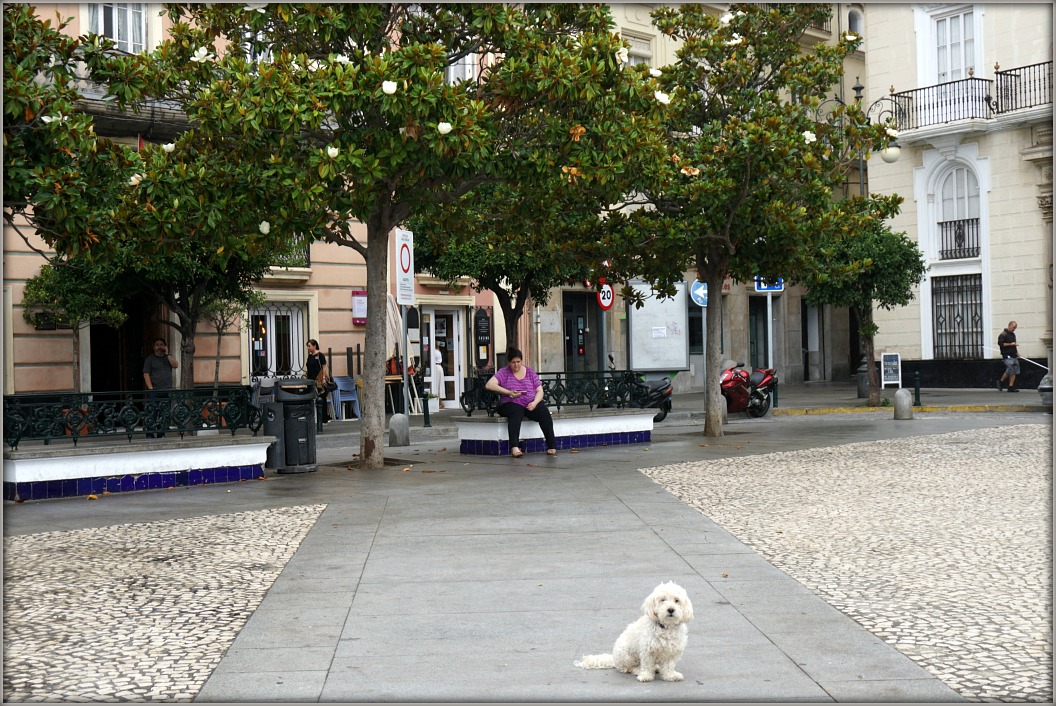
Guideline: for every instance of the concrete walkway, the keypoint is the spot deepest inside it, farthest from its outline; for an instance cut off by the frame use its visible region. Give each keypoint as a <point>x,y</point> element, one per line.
<point>452,578</point>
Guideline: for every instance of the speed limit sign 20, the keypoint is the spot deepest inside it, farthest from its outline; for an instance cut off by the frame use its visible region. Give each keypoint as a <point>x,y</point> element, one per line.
<point>605,297</point>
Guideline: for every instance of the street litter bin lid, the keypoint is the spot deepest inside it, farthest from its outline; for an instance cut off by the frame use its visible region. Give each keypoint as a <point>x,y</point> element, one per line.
<point>294,390</point>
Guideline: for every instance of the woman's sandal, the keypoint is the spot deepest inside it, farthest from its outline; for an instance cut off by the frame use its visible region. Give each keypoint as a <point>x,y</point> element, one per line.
<point>516,453</point>
<point>551,452</point>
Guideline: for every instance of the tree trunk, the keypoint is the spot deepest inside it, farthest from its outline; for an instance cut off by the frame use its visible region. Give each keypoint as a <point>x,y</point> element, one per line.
<point>511,314</point>
<point>187,329</point>
<point>714,401</point>
<point>77,354</point>
<point>216,365</point>
<point>371,443</point>
<point>869,352</point>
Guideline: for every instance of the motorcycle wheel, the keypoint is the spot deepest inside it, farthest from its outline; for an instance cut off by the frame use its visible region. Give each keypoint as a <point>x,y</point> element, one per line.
<point>756,410</point>
<point>662,414</point>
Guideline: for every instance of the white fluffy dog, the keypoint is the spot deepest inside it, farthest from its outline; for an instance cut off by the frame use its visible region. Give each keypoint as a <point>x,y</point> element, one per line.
<point>654,643</point>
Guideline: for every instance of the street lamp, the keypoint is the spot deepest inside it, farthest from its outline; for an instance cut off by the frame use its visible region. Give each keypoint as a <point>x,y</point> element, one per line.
<point>889,111</point>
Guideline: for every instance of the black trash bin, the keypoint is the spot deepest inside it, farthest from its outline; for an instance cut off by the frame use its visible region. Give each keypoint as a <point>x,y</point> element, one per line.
<point>297,397</point>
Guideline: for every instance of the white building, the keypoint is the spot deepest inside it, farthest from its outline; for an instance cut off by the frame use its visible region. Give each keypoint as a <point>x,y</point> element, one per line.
<point>972,86</point>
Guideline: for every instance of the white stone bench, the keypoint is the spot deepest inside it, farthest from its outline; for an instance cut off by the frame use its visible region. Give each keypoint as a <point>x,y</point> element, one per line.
<point>574,428</point>
<point>53,471</point>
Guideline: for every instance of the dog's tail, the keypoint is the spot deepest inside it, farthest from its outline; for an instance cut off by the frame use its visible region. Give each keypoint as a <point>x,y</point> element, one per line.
<point>596,662</point>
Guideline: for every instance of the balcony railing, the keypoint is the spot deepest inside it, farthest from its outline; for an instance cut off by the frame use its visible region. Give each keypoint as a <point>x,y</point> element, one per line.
<point>959,239</point>
<point>73,415</point>
<point>1025,87</point>
<point>974,98</point>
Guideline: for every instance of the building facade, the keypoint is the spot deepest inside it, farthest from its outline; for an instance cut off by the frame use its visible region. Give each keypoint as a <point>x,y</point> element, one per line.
<point>972,87</point>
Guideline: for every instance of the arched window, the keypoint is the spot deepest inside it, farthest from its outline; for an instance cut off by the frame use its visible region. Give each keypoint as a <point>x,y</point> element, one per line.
<point>855,22</point>
<point>959,219</point>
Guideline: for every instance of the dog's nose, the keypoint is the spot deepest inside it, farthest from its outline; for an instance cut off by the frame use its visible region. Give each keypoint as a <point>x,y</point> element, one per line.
<point>670,611</point>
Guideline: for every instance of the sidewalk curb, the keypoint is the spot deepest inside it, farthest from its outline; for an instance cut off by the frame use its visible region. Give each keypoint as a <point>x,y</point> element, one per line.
<point>922,408</point>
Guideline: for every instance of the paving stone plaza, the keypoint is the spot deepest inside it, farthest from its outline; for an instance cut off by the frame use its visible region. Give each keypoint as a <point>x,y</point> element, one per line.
<point>939,544</point>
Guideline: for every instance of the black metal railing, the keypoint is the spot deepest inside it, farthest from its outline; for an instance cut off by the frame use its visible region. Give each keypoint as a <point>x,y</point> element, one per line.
<point>947,102</point>
<point>614,388</point>
<point>959,239</point>
<point>72,415</point>
<point>975,98</point>
<point>1024,87</point>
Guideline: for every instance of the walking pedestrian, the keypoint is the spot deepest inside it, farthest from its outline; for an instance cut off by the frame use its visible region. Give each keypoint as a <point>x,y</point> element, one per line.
<point>1006,343</point>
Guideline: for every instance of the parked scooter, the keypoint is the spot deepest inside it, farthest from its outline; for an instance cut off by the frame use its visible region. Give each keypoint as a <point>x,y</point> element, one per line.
<point>657,395</point>
<point>747,392</point>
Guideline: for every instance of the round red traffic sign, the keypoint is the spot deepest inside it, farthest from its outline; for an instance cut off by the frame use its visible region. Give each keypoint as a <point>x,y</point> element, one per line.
<point>606,297</point>
<point>405,258</point>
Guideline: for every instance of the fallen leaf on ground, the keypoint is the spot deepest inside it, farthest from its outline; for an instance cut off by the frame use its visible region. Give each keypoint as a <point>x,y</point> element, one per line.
<point>725,575</point>
<point>703,444</point>
<point>430,470</point>
<point>444,449</point>
<point>407,469</point>
<point>93,497</point>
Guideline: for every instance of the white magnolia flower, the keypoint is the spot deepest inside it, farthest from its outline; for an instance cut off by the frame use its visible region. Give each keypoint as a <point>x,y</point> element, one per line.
<point>737,39</point>
<point>314,65</point>
<point>809,136</point>
<point>168,147</point>
<point>264,227</point>
<point>662,97</point>
<point>388,87</point>
<point>332,151</point>
<point>48,119</point>
<point>255,6</point>
<point>656,73</point>
<point>852,37</point>
<point>622,54</point>
<point>342,59</point>
<point>726,19</point>
<point>443,128</point>
<point>201,54</point>
<point>403,132</point>
<point>135,180</point>
<point>891,132</point>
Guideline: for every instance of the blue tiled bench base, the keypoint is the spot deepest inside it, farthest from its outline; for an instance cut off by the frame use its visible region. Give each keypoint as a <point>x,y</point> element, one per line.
<point>477,447</point>
<point>73,487</point>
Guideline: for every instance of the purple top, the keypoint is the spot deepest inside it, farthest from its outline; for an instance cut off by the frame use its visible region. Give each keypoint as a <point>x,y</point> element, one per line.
<point>528,385</point>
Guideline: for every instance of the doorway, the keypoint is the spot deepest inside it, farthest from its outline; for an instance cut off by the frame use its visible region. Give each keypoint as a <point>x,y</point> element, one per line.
<point>117,354</point>
<point>758,341</point>
<point>582,352</point>
<point>442,342</point>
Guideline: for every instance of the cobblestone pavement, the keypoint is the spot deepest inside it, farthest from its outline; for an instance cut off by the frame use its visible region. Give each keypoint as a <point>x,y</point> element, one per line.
<point>940,545</point>
<point>137,612</point>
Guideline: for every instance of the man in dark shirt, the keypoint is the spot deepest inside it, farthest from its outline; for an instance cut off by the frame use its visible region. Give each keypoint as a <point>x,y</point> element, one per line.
<point>157,377</point>
<point>1006,341</point>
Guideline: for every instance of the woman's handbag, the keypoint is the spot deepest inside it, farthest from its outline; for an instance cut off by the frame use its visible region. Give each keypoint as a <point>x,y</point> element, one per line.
<point>331,385</point>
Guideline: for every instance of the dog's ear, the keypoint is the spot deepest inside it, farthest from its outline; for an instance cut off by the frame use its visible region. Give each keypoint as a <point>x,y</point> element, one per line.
<point>687,608</point>
<point>652,602</point>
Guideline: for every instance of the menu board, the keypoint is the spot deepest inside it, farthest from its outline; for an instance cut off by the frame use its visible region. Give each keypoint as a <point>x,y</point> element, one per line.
<point>891,369</point>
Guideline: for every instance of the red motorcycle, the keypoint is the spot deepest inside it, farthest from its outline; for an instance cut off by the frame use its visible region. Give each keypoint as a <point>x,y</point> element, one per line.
<point>747,392</point>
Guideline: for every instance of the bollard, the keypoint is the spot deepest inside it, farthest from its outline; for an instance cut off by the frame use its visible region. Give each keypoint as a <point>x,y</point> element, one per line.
<point>903,404</point>
<point>916,388</point>
<point>425,413</point>
<point>774,391</point>
<point>399,430</point>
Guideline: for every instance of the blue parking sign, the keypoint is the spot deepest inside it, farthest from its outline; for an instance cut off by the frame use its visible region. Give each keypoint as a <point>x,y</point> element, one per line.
<point>767,286</point>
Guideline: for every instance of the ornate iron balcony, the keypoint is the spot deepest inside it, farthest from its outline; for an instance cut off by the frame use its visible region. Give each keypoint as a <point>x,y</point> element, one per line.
<point>70,415</point>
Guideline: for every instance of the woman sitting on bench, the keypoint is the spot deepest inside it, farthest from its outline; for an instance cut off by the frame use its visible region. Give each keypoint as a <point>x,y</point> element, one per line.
<point>522,396</point>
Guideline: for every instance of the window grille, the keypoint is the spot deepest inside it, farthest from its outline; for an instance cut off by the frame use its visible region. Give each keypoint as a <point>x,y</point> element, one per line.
<point>124,22</point>
<point>277,338</point>
<point>957,307</point>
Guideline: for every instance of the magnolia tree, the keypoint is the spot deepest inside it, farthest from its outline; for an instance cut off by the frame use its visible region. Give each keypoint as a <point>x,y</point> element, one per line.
<point>753,159</point>
<point>374,111</point>
<point>184,222</point>
<point>518,241</point>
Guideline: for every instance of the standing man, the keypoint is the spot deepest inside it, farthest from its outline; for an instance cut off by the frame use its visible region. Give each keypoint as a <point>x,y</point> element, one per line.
<point>1006,341</point>
<point>157,376</point>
